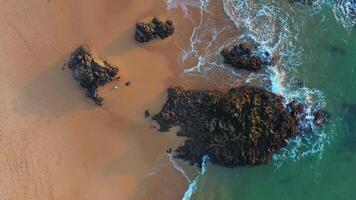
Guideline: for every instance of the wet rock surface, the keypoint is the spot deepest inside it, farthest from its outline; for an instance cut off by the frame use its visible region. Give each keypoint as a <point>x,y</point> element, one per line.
<point>91,72</point>
<point>321,117</point>
<point>148,31</point>
<point>240,126</point>
<point>246,55</point>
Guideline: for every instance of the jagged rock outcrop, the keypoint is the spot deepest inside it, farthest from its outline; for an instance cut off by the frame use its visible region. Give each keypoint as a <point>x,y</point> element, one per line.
<point>240,126</point>
<point>91,72</point>
<point>245,55</point>
<point>321,117</point>
<point>148,31</point>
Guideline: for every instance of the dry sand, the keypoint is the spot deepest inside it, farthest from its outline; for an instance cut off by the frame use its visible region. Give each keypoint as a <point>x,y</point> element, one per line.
<point>57,144</point>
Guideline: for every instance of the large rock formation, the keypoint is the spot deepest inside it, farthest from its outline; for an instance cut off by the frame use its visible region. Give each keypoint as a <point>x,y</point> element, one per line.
<point>241,126</point>
<point>148,31</point>
<point>91,72</point>
<point>246,55</point>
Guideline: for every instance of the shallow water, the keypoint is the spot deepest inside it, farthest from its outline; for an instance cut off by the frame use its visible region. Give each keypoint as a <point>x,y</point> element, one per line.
<point>315,46</point>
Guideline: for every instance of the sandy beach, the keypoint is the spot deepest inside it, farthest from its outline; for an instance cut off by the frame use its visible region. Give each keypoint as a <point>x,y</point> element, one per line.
<point>56,143</point>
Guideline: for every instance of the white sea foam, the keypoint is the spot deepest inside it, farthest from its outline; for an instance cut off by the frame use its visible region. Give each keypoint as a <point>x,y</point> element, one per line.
<point>192,188</point>
<point>345,12</point>
<point>178,167</point>
<point>273,27</point>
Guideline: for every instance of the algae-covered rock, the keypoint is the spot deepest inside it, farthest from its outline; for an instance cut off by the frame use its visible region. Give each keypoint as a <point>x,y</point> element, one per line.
<point>240,126</point>
<point>91,72</point>
<point>148,31</point>
<point>246,55</point>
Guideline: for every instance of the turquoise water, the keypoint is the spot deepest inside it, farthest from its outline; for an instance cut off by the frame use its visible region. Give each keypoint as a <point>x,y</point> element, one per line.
<point>316,46</point>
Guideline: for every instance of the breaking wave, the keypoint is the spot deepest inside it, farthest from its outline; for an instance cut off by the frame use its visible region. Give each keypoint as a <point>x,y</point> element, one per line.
<point>271,24</point>
<point>345,12</point>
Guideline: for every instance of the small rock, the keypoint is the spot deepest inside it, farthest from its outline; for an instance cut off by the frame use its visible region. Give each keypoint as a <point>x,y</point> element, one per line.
<point>147,113</point>
<point>90,72</point>
<point>244,56</point>
<point>320,117</point>
<point>148,31</point>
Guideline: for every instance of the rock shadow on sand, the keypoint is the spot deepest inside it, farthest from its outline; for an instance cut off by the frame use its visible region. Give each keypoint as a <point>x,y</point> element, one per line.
<point>52,94</point>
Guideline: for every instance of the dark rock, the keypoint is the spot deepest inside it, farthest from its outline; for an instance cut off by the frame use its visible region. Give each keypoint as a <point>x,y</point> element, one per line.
<point>147,113</point>
<point>296,110</point>
<point>163,29</point>
<point>127,83</point>
<point>321,117</point>
<point>336,50</point>
<point>144,32</point>
<point>169,151</point>
<point>241,126</point>
<point>148,31</point>
<point>91,72</point>
<point>245,56</point>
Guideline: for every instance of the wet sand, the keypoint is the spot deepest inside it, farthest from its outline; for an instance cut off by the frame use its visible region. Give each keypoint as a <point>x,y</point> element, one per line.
<point>57,144</point>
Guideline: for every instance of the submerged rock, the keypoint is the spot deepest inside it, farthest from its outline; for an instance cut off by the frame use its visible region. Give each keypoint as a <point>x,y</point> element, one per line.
<point>336,50</point>
<point>240,126</point>
<point>91,72</point>
<point>148,31</point>
<point>245,56</point>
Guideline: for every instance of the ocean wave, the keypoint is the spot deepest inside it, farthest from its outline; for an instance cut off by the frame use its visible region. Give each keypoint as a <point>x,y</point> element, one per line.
<point>271,24</point>
<point>193,186</point>
<point>345,12</point>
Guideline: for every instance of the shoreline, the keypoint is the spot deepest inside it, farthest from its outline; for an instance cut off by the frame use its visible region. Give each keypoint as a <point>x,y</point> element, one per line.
<point>56,143</point>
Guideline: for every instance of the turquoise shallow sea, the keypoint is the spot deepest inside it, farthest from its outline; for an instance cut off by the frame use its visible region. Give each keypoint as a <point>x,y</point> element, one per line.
<point>317,49</point>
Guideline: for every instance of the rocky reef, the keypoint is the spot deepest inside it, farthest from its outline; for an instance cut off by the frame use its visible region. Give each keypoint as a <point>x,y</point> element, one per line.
<point>246,55</point>
<point>240,126</point>
<point>91,72</point>
<point>148,31</point>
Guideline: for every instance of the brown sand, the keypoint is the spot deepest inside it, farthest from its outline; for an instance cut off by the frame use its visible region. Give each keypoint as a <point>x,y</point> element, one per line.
<point>57,144</point>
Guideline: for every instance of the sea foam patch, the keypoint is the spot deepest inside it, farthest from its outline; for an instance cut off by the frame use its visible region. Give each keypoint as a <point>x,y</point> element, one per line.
<point>224,23</point>
<point>345,12</point>
<point>273,27</point>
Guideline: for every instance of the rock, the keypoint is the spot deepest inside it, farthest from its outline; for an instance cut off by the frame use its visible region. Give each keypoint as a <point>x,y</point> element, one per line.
<point>144,32</point>
<point>336,50</point>
<point>148,31</point>
<point>321,117</point>
<point>296,110</point>
<point>91,72</point>
<point>240,126</point>
<point>147,113</point>
<point>128,83</point>
<point>245,56</point>
<point>163,29</point>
